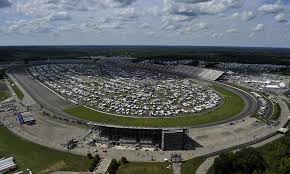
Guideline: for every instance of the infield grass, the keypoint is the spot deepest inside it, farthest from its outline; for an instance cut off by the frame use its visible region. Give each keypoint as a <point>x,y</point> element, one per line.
<point>233,104</point>
<point>276,112</point>
<point>191,166</point>
<point>17,91</point>
<point>4,95</point>
<point>37,158</point>
<point>144,168</point>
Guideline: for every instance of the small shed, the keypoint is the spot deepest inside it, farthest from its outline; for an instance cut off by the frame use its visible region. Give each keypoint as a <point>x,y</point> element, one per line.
<point>25,118</point>
<point>283,130</point>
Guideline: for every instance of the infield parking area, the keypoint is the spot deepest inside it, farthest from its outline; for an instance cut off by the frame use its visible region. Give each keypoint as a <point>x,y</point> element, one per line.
<point>233,105</point>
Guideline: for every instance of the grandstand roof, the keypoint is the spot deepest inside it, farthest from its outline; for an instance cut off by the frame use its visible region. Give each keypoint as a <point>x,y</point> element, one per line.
<point>7,164</point>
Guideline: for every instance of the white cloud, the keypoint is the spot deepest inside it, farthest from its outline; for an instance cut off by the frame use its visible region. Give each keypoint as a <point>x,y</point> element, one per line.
<point>247,15</point>
<point>252,35</point>
<point>235,15</point>
<point>170,26</point>
<point>70,27</point>
<point>271,8</point>
<point>216,35</point>
<point>44,7</point>
<point>258,27</point>
<point>281,17</point>
<point>30,26</point>
<point>128,14</point>
<point>118,3</point>
<point>152,11</point>
<point>232,30</point>
<point>59,16</point>
<point>192,1</point>
<point>194,9</point>
<point>173,22</point>
<point>202,25</point>
<point>151,33</point>
<point>145,25</point>
<point>195,27</point>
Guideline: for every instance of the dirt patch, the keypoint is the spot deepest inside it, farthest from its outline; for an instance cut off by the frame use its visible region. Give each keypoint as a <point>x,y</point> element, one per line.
<point>226,133</point>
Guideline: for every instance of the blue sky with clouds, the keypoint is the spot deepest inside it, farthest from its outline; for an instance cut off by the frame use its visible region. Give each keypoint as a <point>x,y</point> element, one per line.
<point>145,22</point>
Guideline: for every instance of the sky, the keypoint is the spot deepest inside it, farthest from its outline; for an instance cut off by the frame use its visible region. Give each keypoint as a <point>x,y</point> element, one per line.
<point>258,23</point>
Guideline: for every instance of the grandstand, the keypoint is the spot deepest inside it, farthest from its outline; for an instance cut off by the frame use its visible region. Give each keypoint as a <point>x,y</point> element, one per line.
<point>6,165</point>
<point>185,70</point>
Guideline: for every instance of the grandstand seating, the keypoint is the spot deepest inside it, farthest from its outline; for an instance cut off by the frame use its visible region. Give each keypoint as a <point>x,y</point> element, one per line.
<point>197,72</point>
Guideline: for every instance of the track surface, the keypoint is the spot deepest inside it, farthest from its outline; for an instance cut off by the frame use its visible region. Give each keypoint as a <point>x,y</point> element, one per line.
<point>55,104</point>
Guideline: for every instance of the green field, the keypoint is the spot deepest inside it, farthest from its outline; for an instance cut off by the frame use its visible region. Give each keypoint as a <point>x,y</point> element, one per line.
<point>17,91</point>
<point>4,95</point>
<point>233,105</point>
<point>276,111</point>
<point>288,104</point>
<point>191,166</point>
<point>38,159</point>
<point>144,168</point>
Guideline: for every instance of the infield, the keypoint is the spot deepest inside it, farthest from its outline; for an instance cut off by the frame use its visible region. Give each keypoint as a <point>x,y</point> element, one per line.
<point>233,105</point>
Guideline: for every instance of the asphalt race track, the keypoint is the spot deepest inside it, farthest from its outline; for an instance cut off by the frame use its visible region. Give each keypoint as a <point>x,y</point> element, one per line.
<point>55,104</point>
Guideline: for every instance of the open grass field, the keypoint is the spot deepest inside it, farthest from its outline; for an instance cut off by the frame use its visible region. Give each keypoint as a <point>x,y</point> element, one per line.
<point>4,95</point>
<point>191,166</point>
<point>233,105</point>
<point>38,158</point>
<point>17,91</point>
<point>144,168</point>
<point>4,91</point>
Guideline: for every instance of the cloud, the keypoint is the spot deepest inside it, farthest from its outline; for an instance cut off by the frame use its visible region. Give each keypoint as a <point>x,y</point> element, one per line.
<point>103,24</point>
<point>216,35</point>
<point>70,27</point>
<point>247,15</point>
<point>5,3</point>
<point>281,17</point>
<point>151,34</point>
<point>145,25</point>
<point>171,26</point>
<point>44,7</point>
<point>235,15</point>
<point>128,14</point>
<point>252,35</point>
<point>232,30</point>
<point>119,3</point>
<point>111,25</point>
<point>270,8</point>
<point>230,17</point>
<point>194,27</point>
<point>30,26</point>
<point>192,1</point>
<point>258,27</point>
<point>59,16</point>
<point>201,8</point>
<point>202,25</point>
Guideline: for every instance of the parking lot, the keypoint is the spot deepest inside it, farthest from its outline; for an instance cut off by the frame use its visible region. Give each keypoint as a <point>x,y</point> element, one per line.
<point>125,91</point>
